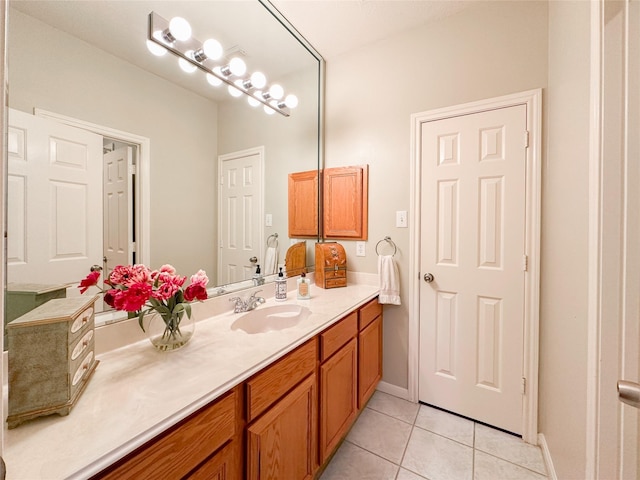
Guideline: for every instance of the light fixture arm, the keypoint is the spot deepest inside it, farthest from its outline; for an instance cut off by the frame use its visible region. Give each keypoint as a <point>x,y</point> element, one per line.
<point>202,62</point>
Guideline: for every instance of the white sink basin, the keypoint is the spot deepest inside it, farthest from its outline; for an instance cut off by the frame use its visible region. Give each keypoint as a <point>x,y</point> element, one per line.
<point>267,319</point>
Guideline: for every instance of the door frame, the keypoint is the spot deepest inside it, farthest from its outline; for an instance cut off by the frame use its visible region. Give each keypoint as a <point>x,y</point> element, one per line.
<point>533,101</point>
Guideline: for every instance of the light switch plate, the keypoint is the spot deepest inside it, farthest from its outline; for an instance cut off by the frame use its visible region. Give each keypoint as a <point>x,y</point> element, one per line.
<point>268,222</point>
<point>361,249</point>
<point>401,219</point>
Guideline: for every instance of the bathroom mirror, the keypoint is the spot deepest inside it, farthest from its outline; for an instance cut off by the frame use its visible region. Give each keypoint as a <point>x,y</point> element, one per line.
<point>85,65</point>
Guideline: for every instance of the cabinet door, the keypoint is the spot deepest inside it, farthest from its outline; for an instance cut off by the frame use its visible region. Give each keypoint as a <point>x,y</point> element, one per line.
<point>338,397</point>
<point>281,444</point>
<point>369,360</point>
<point>222,466</point>
<point>303,204</point>
<point>345,205</point>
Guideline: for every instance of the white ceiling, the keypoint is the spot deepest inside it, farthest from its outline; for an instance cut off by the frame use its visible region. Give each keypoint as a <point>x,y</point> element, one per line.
<point>334,27</point>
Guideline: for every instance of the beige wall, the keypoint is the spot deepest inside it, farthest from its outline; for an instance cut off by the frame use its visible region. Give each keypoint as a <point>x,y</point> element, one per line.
<point>564,283</point>
<point>80,81</point>
<point>493,49</point>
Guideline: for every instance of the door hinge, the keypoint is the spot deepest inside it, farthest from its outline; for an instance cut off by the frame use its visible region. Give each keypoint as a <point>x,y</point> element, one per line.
<point>523,386</point>
<point>133,246</point>
<point>525,263</point>
<point>526,139</point>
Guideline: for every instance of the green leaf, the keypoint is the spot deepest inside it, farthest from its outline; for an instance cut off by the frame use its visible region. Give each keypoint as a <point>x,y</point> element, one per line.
<point>141,318</point>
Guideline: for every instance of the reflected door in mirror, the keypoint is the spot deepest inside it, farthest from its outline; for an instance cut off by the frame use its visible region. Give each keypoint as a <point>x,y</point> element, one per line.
<point>54,190</point>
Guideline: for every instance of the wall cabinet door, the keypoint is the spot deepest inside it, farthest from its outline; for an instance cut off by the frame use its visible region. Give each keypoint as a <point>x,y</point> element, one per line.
<point>281,444</point>
<point>303,204</point>
<point>369,360</point>
<point>338,397</point>
<point>345,202</point>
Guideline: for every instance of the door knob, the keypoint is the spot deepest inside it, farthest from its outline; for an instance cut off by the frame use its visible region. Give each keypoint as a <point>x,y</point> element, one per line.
<point>253,259</point>
<point>629,393</point>
<point>428,277</point>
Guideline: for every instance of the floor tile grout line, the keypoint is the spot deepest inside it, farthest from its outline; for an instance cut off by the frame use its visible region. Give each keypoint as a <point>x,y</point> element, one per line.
<point>413,426</point>
<point>373,453</point>
<point>545,475</point>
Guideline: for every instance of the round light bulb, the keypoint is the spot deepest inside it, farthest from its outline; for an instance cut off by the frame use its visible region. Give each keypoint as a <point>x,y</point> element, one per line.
<point>276,91</point>
<point>253,102</point>
<point>233,91</point>
<point>237,66</point>
<point>180,29</point>
<point>213,80</point>
<point>212,49</point>
<point>258,80</point>
<point>186,66</point>
<point>291,101</point>
<point>268,111</point>
<point>155,49</point>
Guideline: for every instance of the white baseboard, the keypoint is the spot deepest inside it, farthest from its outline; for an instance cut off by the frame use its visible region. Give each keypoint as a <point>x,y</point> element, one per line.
<point>546,455</point>
<point>394,390</point>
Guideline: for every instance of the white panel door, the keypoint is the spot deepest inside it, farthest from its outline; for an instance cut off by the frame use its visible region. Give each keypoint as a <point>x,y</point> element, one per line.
<point>118,208</point>
<point>55,201</point>
<point>240,215</point>
<point>472,242</point>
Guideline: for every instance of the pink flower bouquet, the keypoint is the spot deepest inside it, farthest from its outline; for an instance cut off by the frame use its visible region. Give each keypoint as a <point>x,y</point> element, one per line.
<point>138,290</point>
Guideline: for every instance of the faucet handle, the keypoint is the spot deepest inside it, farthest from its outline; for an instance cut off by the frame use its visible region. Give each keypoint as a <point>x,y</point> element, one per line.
<point>253,295</point>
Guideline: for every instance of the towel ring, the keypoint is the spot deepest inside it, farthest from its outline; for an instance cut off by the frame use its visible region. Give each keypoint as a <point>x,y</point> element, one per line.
<point>389,241</point>
<point>275,239</point>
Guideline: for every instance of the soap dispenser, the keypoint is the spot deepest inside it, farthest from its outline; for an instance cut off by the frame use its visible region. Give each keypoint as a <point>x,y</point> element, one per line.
<point>281,287</point>
<point>258,279</point>
<point>304,292</point>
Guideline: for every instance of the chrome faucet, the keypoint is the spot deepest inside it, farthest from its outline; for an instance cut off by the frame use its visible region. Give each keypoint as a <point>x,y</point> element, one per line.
<point>248,304</point>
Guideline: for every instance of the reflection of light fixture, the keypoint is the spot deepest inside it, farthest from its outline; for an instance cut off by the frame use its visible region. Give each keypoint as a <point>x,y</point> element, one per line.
<point>185,65</point>
<point>213,80</point>
<point>156,49</point>
<point>175,36</point>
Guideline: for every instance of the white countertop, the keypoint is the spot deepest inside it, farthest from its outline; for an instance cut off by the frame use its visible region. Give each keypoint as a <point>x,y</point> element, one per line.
<point>138,392</point>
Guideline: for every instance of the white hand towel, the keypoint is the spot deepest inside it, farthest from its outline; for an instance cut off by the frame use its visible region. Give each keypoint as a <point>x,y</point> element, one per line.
<point>270,261</point>
<point>389,280</point>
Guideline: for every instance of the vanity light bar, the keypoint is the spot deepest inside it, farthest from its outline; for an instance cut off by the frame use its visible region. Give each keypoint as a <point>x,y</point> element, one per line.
<point>190,50</point>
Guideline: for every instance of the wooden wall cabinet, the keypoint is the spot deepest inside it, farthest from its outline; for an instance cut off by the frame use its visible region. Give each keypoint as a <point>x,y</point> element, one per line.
<point>303,204</point>
<point>345,202</point>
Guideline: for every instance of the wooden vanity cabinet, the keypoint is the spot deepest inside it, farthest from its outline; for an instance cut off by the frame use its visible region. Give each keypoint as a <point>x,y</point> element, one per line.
<point>369,350</point>
<point>283,422</point>
<point>282,406</point>
<point>207,441</point>
<point>338,383</point>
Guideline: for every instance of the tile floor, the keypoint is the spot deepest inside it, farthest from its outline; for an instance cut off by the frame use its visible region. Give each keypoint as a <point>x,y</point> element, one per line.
<point>398,440</point>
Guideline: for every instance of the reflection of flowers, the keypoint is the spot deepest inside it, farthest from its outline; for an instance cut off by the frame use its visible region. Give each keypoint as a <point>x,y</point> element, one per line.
<point>138,291</point>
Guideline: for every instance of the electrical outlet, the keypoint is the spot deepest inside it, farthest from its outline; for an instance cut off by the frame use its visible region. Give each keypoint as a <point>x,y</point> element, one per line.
<point>360,249</point>
<point>401,219</point>
<point>268,222</point>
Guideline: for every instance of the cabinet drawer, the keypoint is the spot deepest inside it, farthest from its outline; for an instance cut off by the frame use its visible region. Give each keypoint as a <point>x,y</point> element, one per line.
<point>335,282</point>
<point>273,382</point>
<point>336,336</point>
<point>178,452</point>
<point>369,312</point>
